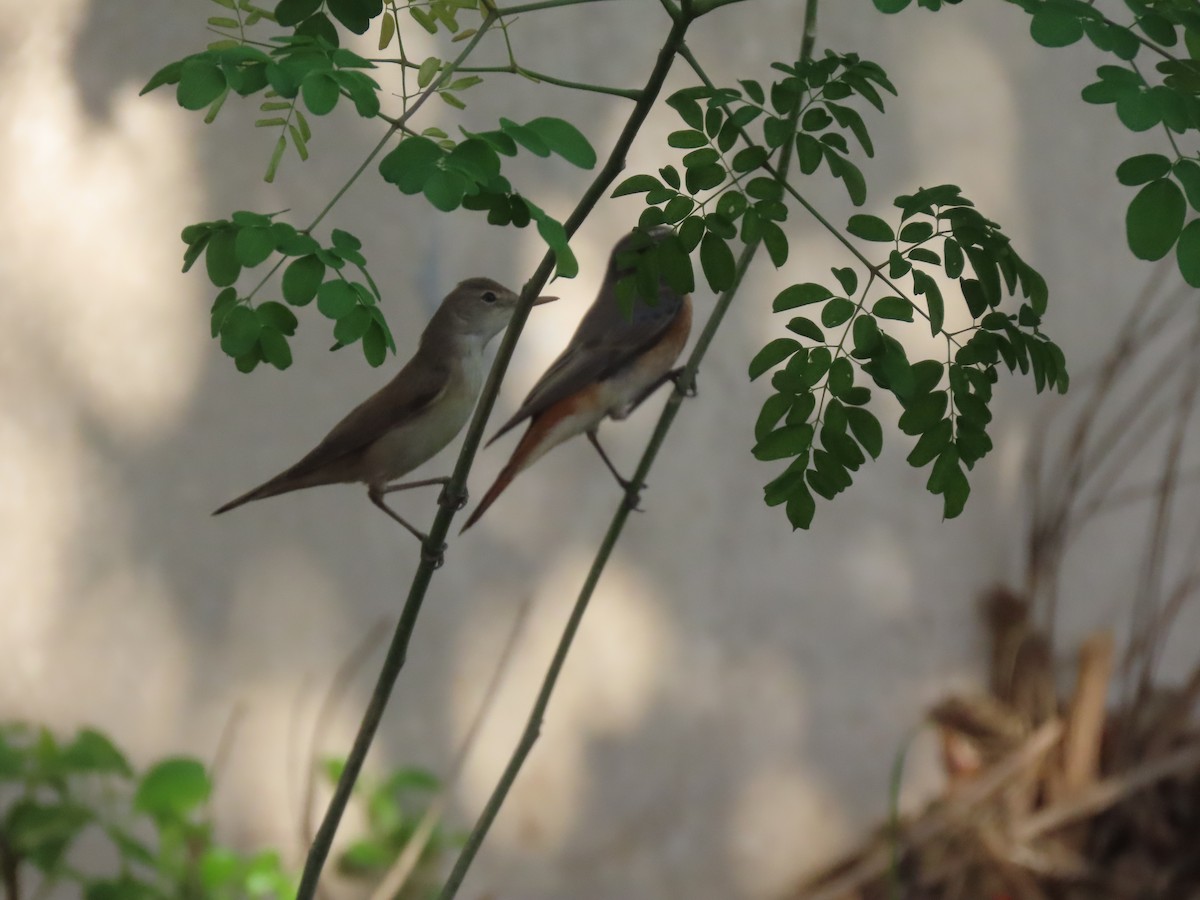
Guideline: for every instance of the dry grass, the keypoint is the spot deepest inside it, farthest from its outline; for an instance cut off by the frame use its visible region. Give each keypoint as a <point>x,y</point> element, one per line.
<point>1091,790</point>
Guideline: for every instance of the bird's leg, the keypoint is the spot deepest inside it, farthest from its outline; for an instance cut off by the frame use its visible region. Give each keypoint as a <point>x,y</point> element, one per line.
<point>457,502</point>
<point>404,486</point>
<point>436,556</point>
<point>674,375</point>
<point>632,491</point>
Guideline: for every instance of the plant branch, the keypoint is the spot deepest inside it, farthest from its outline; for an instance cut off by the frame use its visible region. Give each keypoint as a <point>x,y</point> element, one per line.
<point>533,724</point>
<point>394,126</point>
<point>398,649</point>
<point>627,93</point>
<point>540,4</point>
<point>319,850</point>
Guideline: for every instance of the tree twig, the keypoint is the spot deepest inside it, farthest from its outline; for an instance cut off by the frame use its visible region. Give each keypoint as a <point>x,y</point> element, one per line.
<point>532,729</point>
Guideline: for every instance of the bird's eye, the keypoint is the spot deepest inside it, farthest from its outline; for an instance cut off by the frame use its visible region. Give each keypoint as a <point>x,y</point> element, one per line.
<point>489,297</point>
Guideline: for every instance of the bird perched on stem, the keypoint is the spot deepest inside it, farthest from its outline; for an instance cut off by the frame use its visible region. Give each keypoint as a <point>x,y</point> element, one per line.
<point>414,415</point>
<point>614,361</point>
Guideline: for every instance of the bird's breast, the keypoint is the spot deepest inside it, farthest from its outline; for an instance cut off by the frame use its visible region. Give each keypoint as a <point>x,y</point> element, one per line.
<point>407,446</point>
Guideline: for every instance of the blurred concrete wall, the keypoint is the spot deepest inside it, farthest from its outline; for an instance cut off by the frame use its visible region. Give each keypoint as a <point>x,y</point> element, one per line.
<point>730,712</point>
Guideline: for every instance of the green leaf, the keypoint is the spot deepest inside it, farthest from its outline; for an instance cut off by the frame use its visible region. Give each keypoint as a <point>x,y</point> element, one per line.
<point>289,13</point>
<point>927,374</point>
<point>444,189</point>
<point>277,316</point>
<point>239,331</point>
<point>173,788</point>
<point>847,278</point>
<point>866,429</point>
<point>253,245</point>
<point>800,295</point>
<point>776,243</point>
<point>1140,169</point>
<point>1138,110</point>
<point>870,228</point>
<point>636,184</point>
<point>837,312</point>
<point>201,81</point>
<point>774,408</point>
<point>801,507</point>
<point>353,325</point>
<point>92,751</point>
<point>806,328</point>
<point>220,258</point>
<point>335,298</point>
<point>1154,219</point>
<point>784,443</point>
<point>931,444</point>
<point>772,355</point>
<point>320,92</point>
<point>893,308</point>
<point>923,283</point>
<point>891,6</point>
<point>427,70</point>
<point>687,107</point>
<point>526,137</point>
<point>1187,172</point>
<point>555,236</point>
<point>1055,27</point>
<point>354,14</point>
<point>923,413</point>
<point>1187,253</point>
<point>168,74</point>
<point>41,832</point>
<point>866,336</point>
<point>274,347</point>
<point>301,280</point>
<point>953,255</point>
<point>564,139</point>
<point>374,345</point>
<point>716,259</point>
<point>411,164</point>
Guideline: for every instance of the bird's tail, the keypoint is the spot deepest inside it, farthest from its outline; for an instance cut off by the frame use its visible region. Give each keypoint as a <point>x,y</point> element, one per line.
<point>532,446</point>
<point>507,474</point>
<point>282,483</point>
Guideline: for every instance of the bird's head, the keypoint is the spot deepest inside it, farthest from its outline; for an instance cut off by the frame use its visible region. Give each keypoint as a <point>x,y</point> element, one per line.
<point>480,307</point>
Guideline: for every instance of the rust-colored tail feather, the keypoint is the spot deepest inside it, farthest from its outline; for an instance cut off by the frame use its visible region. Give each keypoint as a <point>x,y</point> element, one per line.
<point>507,474</point>
<point>522,457</point>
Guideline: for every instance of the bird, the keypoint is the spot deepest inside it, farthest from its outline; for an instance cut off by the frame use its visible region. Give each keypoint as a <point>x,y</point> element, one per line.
<point>414,415</point>
<point>613,362</point>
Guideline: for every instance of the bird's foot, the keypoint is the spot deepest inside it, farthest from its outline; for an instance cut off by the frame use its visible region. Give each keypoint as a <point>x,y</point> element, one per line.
<point>435,556</point>
<point>454,500</point>
<point>633,494</point>
<point>687,389</point>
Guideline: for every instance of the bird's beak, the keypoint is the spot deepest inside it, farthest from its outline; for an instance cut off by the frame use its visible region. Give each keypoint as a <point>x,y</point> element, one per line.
<point>540,300</point>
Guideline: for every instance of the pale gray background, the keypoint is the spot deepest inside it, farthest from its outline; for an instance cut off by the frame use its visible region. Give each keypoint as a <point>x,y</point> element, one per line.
<point>729,715</point>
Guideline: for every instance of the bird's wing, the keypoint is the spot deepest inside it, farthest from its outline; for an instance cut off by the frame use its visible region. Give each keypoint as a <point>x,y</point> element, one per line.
<point>605,342</point>
<point>415,388</point>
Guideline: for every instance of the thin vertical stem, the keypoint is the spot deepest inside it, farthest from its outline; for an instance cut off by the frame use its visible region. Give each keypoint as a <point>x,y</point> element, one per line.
<point>533,725</point>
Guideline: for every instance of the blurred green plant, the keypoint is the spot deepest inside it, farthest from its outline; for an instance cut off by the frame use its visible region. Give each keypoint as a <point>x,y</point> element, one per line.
<point>159,829</point>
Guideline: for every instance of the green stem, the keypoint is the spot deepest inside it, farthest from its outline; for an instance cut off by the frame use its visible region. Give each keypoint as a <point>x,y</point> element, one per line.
<point>533,724</point>
<point>540,4</point>
<point>395,125</point>
<point>319,851</point>
<point>612,168</point>
<point>876,270</point>
<point>627,93</point>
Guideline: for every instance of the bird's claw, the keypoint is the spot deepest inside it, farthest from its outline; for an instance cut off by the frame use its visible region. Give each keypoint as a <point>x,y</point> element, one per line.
<point>686,389</point>
<point>633,495</point>
<point>436,557</point>
<point>454,501</point>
